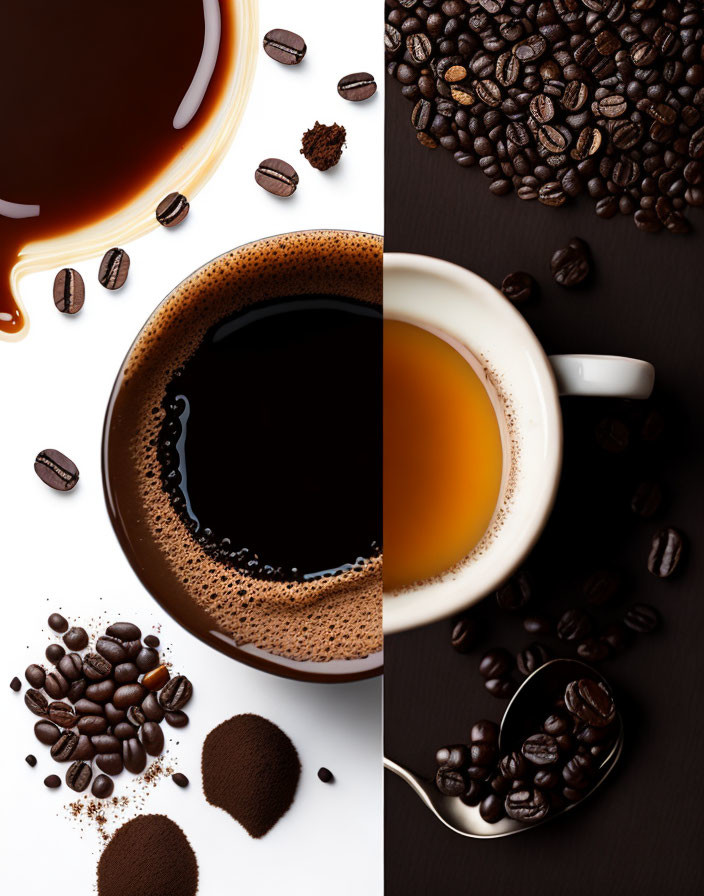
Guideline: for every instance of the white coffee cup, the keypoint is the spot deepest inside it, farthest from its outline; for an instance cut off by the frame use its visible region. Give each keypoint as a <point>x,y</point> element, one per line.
<point>525,386</point>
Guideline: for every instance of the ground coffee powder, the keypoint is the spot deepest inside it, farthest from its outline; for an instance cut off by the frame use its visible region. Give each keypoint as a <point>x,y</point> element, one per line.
<point>322,145</point>
<point>251,770</point>
<point>149,855</point>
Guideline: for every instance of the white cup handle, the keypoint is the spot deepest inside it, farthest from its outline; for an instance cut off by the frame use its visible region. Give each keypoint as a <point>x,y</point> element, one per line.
<point>606,375</point>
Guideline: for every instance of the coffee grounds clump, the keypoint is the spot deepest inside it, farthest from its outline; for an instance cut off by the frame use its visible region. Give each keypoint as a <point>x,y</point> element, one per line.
<point>251,770</point>
<point>322,145</point>
<point>149,855</point>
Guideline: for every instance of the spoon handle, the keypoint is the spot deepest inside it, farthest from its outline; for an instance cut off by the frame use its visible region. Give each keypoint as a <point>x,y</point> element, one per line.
<point>420,787</point>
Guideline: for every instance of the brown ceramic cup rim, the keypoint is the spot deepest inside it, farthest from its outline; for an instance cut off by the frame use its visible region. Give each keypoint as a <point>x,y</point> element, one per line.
<point>188,614</point>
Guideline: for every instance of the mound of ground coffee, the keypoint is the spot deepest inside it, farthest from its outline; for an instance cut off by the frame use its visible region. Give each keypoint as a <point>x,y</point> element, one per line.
<point>322,145</point>
<point>251,770</point>
<point>149,855</point>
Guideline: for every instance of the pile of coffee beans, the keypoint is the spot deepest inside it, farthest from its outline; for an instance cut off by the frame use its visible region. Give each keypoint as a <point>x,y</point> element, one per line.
<point>104,705</point>
<point>554,98</point>
<point>550,769</point>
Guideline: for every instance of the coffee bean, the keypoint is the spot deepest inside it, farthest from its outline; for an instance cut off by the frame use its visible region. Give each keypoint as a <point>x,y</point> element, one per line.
<point>593,650</point>
<point>642,618</point>
<point>16,684</point>
<point>114,715</point>
<point>541,749</point>
<point>612,435</point>
<point>571,265</point>
<point>496,663</point>
<point>35,676</point>
<point>77,689</point>
<point>574,625</point>
<point>465,634</point>
<point>512,766</point>
<point>56,685</point>
<point>527,805</point>
<point>54,653</point>
<point>64,747</point>
<point>63,715</point>
<point>277,177</point>
<point>591,702</point>
<point>126,673</point>
<point>133,756</point>
<point>57,623</point>
<point>474,793</point>
<point>123,731</point>
<point>602,587</point>
<point>78,776</point>
<point>112,649</point>
<point>76,638</point>
<point>69,291</point>
<point>105,743</point>
<point>56,470</point>
<point>124,631</point>
<point>451,781</point>
<point>647,499</point>
<point>482,754</point>
<point>147,659</point>
<point>135,716</point>
<point>152,709</point>
<point>616,636</point>
<point>110,763</point>
<point>71,667</point>
<point>515,594</point>
<point>152,738</point>
<point>52,781</point>
<point>177,719</point>
<point>96,667</point>
<point>152,641</point>
<point>179,779</point>
<point>491,808</point>
<point>103,787</point>
<point>114,269</point>
<point>176,693</point>
<point>85,749</point>
<point>92,725</point>
<point>578,771</point>
<point>519,288</point>
<point>284,46</point>
<point>454,756</point>
<point>31,760</point>
<point>539,625</point>
<point>36,702</point>
<point>46,733</point>
<point>172,210</point>
<point>357,87</point>
<point>531,658</point>
<point>666,551</point>
<point>101,691</point>
<point>484,732</point>
<point>85,707</point>
<point>503,688</point>
<point>128,695</point>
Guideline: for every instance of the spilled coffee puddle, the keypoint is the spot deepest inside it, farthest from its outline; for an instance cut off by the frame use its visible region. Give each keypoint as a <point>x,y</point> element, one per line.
<point>96,100</point>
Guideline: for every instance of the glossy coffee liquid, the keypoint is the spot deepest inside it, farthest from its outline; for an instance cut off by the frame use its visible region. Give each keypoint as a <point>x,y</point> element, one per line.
<point>270,449</point>
<point>442,456</point>
<point>96,99</point>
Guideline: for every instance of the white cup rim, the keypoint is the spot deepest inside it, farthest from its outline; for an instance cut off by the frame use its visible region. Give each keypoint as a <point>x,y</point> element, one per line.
<point>467,584</point>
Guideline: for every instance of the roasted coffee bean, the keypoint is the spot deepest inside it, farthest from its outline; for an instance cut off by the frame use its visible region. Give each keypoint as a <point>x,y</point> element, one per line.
<point>133,648</point>
<point>71,666</point>
<point>69,291</point>
<point>152,709</point>
<point>31,760</point>
<point>47,733</point>
<point>539,625</point>
<point>466,634</point>
<point>114,715</point>
<point>176,719</point>
<point>96,667</point>
<point>78,776</point>
<point>135,716</point>
<point>152,641</point>
<point>474,793</point>
<point>152,738</point>
<point>454,756</point>
<point>156,679</point>
<point>126,673</point>
<point>110,763</point>
<point>666,551</point>
<point>105,743</point>
<point>85,707</point>
<point>55,653</point>
<point>496,663</point>
<point>591,702</point>
<point>56,685</point>
<point>491,808</point>
<point>85,749</point>
<point>574,625</point>
<point>63,715</point>
<point>571,264</point>
<point>56,470</point>
<point>527,805</point>
<point>277,177</point>
<point>103,787</point>
<point>124,631</point>
<point>77,689</point>
<point>519,288</point>
<point>515,593</point>
<point>503,688</point>
<point>128,695</point>
<point>112,649</point>
<point>451,781</point>
<point>76,638</point>
<point>541,749</point>
<point>642,618</point>
<point>114,269</point>
<point>593,650</point>
<point>612,435</point>
<point>16,684</point>
<point>546,779</point>
<point>557,724</point>
<point>133,756</point>
<point>147,659</point>
<point>482,754</point>
<point>52,781</point>
<point>531,658</point>
<point>176,693</point>
<point>578,771</point>
<point>57,623</point>
<point>647,499</point>
<point>180,780</point>
<point>101,691</point>
<point>35,676</point>
<point>64,747</point>
<point>36,702</point>
<point>512,766</point>
<point>284,46</point>
<point>357,87</point>
<point>616,636</point>
<point>172,210</point>
<point>123,731</point>
<point>602,587</point>
<point>91,725</point>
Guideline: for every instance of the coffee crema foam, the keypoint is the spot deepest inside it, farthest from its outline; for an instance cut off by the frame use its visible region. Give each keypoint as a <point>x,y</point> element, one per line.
<point>337,617</point>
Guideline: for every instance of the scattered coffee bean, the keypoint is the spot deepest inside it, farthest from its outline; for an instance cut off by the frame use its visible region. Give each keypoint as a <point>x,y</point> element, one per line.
<point>357,87</point>
<point>78,776</point>
<point>92,725</point>
<point>277,177</point>
<point>491,808</point>
<point>284,46</point>
<point>177,719</point>
<point>591,702</point>
<point>114,269</point>
<point>593,650</point>
<point>103,787</point>
<point>539,625</point>
<point>647,499</point>
<point>179,779</point>
<point>571,264</point>
<point>172,210</point>
<point>151,708</point>
<point>126,673</point>
<point>106,743</point>
<point>541,749</point>
<point>152,641</point>
<point>325,775</point>
<point>56,470</point>
<point>69,291</point>
<point>465,634</point>
<point>85,707</point>
<point>176,693</point>
<point>322,145</point>
<point>666,551</point>
<point>515,593</point>
<point>520,288</point>
<point>612,435</point>
<point>52,782</point>
<point>31,760</point>
<point>503,688</point>
<point>574,625</point>
<point>602,587</point>
<point>101,691</point>
<point>484,732</point>
<point>128,695</point>
<point>46,733</point>
<point>77,689</point>
<point>35,676</point>
<point>36,702</point>
<point>16,684</point>
<point>55,653</point>
<point>452,757</point>
<point>531,658</point>
<point>135,716</point>
<point>124,631</point>
<point>147,659</point>
<point>76,638</point>
<point>496,663</point>
<point>57,623</point>
<point>123,731</point>
<point>642,618</point>
<point>64,746</point>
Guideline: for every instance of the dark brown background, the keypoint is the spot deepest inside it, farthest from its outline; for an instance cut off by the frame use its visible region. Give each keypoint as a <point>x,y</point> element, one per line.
<point>642,833</point>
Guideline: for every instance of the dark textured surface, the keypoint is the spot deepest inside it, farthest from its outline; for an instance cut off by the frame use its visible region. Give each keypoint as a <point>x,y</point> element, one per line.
<point>642,832</point>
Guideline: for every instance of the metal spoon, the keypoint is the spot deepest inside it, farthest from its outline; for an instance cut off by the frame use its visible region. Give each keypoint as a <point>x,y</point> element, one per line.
<point>539,687</point>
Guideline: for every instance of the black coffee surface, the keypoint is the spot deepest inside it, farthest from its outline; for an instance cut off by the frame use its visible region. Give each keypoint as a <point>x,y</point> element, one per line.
<point>271,445</point>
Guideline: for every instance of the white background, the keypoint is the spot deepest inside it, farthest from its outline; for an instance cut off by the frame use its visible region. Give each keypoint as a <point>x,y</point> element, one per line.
<point>59,551</point>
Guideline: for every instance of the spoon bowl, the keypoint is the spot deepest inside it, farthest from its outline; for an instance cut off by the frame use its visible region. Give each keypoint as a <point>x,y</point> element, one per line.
<point>536,690</point>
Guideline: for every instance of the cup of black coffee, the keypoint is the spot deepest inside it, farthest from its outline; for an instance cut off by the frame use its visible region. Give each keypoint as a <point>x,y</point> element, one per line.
<point>242,454</point>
